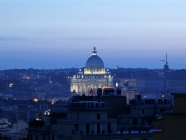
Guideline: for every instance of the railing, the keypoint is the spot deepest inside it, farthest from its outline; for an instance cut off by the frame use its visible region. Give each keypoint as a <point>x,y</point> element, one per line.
<point>131,132</point>
<point>89,105</point>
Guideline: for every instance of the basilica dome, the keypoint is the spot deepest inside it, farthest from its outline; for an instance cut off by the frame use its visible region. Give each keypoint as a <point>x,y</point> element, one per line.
<point>94,61</point>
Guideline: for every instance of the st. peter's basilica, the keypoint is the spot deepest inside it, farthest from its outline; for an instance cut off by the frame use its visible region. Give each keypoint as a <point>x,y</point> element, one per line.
<point>91,77</point>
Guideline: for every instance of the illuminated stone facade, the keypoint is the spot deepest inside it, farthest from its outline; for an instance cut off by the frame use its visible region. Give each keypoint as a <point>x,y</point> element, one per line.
<point>91,77</point>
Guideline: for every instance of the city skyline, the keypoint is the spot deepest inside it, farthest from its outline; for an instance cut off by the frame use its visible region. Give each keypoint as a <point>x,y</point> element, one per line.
<point>129,34</point>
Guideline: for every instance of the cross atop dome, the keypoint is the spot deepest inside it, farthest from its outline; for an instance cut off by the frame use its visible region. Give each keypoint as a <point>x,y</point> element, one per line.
<point>94,52</point>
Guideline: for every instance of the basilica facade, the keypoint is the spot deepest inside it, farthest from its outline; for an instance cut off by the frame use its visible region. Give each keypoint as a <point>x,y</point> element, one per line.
<point>94,75</point>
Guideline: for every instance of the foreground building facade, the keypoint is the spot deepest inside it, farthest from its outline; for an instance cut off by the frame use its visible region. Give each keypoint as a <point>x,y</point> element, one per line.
<point>85,120</point>
<point>173,124</point>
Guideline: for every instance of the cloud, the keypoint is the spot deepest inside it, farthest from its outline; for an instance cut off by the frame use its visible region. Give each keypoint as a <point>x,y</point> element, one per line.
<point>11,39</point>
<point>42,33</point>
<point>87,38</point>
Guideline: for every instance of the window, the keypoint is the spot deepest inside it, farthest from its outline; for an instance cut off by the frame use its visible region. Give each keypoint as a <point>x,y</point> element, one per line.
<point>77,116</point>
<point>143,111</point>
<point>134,121</point>
<point>53,136</point>
<point>162,110</point>
<point>98,116</point>
<point>98,128</point>
<point>73,132</point>
<point>108,128</point>
<point>76,126</point>
<point>87,128</point>
<point>143,120</point>
<point>96,105</point>
<point>30,136</point>
<point>165,101</point>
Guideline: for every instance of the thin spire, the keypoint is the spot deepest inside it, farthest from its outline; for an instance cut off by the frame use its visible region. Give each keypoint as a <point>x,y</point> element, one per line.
<point>166,59</point>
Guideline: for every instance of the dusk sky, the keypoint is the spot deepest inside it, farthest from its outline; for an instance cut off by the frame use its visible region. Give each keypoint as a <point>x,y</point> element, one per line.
<point>49,34</point>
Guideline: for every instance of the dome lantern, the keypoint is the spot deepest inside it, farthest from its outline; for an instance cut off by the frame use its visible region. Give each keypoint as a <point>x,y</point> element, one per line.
<point>94,52</point>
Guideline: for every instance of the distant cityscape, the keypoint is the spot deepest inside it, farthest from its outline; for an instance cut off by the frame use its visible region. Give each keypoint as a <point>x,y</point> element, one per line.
<point>92,70</point>
<point>92,102</point>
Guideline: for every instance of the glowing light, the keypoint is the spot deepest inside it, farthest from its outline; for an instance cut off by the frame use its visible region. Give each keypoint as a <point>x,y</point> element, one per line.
<point>47,113</point>
<point>11,84</point>
<point>52,101</point>
<point>38,119</point>
<point>117,84</point>
<point>36,100</point>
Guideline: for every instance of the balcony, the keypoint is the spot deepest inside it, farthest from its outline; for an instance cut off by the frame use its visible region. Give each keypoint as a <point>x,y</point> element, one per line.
<point>89,106</point>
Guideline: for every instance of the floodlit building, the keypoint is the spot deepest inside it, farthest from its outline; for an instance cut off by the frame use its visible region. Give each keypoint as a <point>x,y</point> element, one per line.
<point>94,75</point>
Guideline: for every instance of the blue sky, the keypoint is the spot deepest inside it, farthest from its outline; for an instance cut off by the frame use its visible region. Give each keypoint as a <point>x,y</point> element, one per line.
<point>61,33</point>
